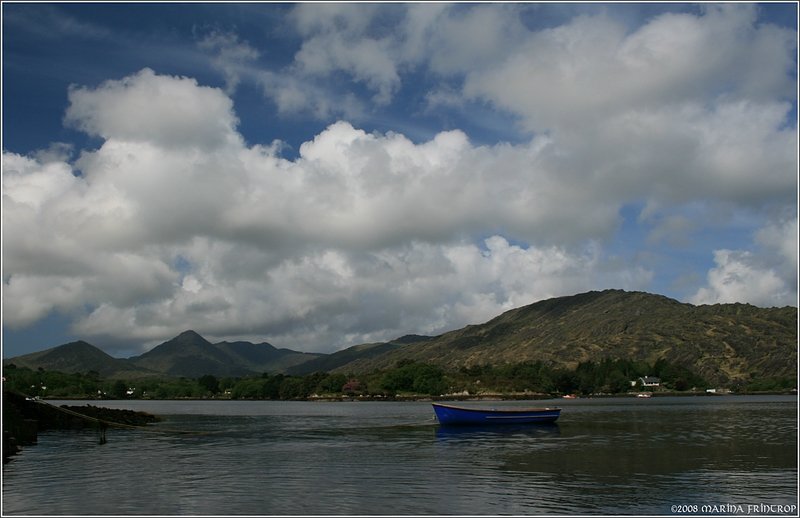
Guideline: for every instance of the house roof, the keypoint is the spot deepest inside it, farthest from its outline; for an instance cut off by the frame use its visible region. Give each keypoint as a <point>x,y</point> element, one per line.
<point>650,379</point>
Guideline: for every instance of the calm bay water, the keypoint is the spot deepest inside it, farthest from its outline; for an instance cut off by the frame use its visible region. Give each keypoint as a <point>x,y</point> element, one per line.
<point>605,456</point>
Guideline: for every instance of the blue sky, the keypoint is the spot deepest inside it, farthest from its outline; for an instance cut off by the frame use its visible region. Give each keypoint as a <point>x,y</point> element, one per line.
<point>318,176</point>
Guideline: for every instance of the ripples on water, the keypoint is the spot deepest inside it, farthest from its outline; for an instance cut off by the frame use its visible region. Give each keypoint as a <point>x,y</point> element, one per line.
<point>612,456</point>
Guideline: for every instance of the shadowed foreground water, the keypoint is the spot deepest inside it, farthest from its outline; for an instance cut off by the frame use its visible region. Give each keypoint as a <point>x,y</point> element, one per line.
<point>605,456</point>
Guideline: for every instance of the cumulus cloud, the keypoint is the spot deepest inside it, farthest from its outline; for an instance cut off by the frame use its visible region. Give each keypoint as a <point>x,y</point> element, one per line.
<point>146,107</point>
<point>678,108</point>
<point>362,235</point>
<point>555,78</point>
<point>334,297</point>
<point>372,46</point>
<point>336,39</point>
<point>766,276</point>
<point>175,222</point>
<point>738,276</point>
<point>591,68</point>
<point>456,41</point>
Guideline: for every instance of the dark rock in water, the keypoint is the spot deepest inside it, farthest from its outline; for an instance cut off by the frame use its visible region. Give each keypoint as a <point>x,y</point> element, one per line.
<point>112,416</point>
<point>23,418</point>
<point>18,431</point>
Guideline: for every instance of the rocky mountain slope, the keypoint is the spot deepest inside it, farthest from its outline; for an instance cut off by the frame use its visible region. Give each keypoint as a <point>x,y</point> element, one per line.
<point>722,343</point>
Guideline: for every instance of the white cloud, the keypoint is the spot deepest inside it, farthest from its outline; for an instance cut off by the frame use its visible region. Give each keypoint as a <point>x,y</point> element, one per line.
<point>55,152</point>
<point>780,239</point>
<point>561,78</point>
<point>679,108</point>
<point>232,57</point>
<point>292,91</point>
<point>578,74</point>
<point>766,276</point>
<point>174,222</point>
<point>367,60</point>
<point>334,297</point>
<point>363,235</point>
<point>312,19</point>
<point>48,23</point>
<point>146,107</point>
<point>738,277</point>
<point>336,38</point>
<point>452,40</point>
<point>729,152</point>
<point>370,45</point>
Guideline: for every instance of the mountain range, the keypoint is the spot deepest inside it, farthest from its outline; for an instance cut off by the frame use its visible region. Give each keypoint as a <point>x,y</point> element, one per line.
<point>721,342</point>
<point>188,355</point>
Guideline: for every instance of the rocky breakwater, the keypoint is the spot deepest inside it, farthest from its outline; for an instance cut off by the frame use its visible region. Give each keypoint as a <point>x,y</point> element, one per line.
<point>24,418</point>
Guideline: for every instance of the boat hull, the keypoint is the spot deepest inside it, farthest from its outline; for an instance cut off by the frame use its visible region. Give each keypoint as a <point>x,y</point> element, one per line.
<point>450,415</point>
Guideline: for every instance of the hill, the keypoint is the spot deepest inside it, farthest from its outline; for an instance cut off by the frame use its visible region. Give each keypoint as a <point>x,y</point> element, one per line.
<point>723,342</point>
<point>80,357</point>
<point>264,357</point>
<point>188,355</point>
<point>362,352</point>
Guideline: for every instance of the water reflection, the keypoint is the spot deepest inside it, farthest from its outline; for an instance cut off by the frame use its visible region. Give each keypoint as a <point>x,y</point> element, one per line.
<point>496,431</point>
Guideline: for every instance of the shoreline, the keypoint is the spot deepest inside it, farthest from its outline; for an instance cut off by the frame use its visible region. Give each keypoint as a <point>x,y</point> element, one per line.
<point>447,397</point>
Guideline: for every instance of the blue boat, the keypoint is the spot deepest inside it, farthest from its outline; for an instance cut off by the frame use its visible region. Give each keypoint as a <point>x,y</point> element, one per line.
<point>448,414</point>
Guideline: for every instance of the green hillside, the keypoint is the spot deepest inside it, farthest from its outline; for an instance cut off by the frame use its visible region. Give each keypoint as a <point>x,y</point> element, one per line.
<point>362,352</point>
<point>80,357</point>
<point>724,342</point>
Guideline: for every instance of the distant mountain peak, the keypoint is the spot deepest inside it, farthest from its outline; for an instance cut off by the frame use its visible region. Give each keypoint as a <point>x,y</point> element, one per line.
<point>190,337</point>
<point>77,347</point>
<point>78,344</point>
<point>78,356</point>
<point>190,333</point>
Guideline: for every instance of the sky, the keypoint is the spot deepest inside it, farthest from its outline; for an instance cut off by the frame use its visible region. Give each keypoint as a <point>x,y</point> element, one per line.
<point>323,175</point>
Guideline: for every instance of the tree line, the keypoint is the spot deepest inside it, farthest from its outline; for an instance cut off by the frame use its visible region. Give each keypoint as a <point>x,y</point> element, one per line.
<point>407,377</point>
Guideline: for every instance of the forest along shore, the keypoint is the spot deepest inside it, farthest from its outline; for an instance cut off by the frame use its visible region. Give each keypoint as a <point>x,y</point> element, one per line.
<point>25,417</point>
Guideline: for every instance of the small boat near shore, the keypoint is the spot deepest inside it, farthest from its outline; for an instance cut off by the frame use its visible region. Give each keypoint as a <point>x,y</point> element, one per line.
<point>448,415</point>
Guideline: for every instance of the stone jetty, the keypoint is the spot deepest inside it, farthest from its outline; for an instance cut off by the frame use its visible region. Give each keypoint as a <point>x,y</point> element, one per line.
<point>24,418</point>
